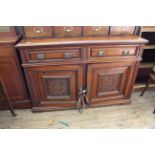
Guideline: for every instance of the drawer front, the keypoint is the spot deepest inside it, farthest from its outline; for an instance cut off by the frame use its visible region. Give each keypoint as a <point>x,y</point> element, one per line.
<point>122,30</point>
<point>38,31</point>
<point>101,52</point>
<point>95,30</point>
<point>45,55</point>
<point>67,31</point>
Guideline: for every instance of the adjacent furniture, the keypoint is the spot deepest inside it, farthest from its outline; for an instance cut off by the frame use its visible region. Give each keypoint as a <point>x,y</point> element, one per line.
<point>62,62</point>
<point>150,80</point>
<point>147,32</point>
<point>7,97</point>
<point>10,71</point>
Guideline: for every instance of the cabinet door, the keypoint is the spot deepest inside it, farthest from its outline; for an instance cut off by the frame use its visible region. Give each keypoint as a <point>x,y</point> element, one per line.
<point>109,82</point>
<point>54,87</point>
<point>12,79</point>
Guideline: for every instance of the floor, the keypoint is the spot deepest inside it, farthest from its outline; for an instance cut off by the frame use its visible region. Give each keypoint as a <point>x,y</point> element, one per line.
<point>136,115</point>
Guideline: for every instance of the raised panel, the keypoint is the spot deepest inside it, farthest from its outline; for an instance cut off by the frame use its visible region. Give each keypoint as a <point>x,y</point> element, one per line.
<point>57,87</point>
<point>109,81</point>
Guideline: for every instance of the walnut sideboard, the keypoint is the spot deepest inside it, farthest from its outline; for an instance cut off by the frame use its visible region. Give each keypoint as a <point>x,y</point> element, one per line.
<point>57,69</point>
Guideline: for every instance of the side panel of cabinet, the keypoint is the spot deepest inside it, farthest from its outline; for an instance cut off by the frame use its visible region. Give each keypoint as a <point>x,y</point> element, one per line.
<point>12,80</point>
<point>54,87</point>
<point>109,82</point>
<point>2,97</point>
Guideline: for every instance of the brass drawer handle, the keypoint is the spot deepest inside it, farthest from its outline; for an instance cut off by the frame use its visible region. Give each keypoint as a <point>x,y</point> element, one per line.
<point>68,55</point>
<point>38,29</point>
<point>125,53</point>
<point>96,28</point>
<point>68,28</point>
<point>40,56</point>
<point>101,53</point>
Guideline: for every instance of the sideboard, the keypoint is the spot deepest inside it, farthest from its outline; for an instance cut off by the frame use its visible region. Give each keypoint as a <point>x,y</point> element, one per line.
<point>61,66</point>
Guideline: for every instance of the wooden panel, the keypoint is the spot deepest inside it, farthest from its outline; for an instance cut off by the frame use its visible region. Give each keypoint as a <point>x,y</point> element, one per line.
<point>52,54</point>
<point>95,30</point>
<point>6,51</point>
<point>57,86</point>
<point>122,30</point>
<point>54,86</point>
<point>109,81</point>
<point>2,96</point>
<point>12,79</point>
<point>38,31</point>
<point>99,52</point>
<point>67,31</point>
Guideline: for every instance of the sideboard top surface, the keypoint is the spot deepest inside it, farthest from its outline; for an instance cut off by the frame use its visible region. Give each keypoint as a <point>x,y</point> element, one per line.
<point>81,40</point>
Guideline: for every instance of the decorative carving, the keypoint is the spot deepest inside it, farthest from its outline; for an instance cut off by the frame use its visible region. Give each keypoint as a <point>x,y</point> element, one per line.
<point>108,82</point>
<point>57,86</point>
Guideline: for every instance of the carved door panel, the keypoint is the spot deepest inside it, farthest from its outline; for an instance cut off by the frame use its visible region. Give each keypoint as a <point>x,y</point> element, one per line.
<point>12,80</point>
<point>55,86</point>
<point>109,81</point>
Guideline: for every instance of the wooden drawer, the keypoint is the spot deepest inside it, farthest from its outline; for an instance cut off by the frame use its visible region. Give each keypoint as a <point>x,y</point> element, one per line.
<point>116,51</point>
<point>38,31</point>
<point>122,30</point>
<point>67,31</point>
<point>95,30</point>
<point>54,54</point>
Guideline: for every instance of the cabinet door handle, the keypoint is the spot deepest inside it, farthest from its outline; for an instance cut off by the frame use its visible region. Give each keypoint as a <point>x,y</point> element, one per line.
<point>40,56</point>
<point>101,53</point>
<point>68,28</point>
<point>125,53</point>
<point>68,55</point>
